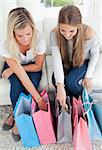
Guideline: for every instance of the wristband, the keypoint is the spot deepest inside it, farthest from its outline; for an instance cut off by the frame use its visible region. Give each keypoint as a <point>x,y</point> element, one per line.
<point>38,98</point>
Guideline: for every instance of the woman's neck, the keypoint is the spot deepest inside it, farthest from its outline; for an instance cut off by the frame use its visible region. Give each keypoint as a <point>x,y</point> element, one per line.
<point>24,48</point>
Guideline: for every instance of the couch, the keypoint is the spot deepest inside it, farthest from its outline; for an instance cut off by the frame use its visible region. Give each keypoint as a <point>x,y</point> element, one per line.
<point>45,27</point>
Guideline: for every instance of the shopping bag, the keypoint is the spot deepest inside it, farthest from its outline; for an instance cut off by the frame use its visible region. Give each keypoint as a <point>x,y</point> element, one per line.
<point>43,122</point>
<point>64,125</point>
<point>54,115</point>
<point>97,108</point>
<point>92,122</point>
<point>81,139</point>
<point>24,122</point>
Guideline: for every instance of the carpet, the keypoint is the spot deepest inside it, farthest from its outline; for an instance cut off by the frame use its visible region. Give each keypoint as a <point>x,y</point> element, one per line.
<point>7,143</point>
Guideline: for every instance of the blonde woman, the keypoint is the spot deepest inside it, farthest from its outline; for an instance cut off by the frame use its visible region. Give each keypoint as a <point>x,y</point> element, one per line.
<point>75,52</point>
<point>24,53</point>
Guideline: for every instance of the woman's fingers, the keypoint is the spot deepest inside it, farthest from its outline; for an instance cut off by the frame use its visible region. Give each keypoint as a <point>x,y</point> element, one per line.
<point>87,83</point>
<point>65,107</point>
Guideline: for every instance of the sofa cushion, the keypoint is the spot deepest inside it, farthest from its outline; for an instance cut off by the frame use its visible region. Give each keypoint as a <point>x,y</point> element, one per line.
<point>48,25</point>
<point>39,25</point>
<point>49,69</point>
<point>4,92</point>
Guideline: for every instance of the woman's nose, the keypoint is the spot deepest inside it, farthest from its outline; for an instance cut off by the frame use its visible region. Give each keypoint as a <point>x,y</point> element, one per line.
<point>68,34</point>
<point>25,38</point>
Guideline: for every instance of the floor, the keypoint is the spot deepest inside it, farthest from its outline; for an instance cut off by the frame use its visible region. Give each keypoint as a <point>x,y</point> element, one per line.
<point>7,143</point>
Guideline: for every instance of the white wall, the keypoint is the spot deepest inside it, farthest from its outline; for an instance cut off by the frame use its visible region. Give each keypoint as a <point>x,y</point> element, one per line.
<point>92,13</point>
<point>38,13</point>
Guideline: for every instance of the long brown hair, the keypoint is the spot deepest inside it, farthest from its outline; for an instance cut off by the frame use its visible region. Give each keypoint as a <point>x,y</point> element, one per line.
<point>71,15</point>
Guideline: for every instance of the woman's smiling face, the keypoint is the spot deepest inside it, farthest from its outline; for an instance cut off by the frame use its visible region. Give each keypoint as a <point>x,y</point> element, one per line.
<point>24,36</point>
<point>68,31</point>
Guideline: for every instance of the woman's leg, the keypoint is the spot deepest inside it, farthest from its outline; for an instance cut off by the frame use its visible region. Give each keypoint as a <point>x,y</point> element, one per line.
<point>35,77</point>
<point>72,79</point>
<point>15,89</point>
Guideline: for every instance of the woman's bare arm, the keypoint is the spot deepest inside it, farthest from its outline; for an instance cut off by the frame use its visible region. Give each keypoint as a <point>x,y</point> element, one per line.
<point>23,77</point>
<point>37,66</point>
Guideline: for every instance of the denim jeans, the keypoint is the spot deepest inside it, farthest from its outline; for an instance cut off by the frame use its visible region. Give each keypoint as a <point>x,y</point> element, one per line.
<point>72,78</point>
<point>16,86</point>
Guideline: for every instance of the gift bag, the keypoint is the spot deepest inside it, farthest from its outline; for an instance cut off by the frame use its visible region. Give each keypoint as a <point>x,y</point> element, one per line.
<point>24,122</point>
<point>94,129</point>
<point>81,139</point>
<point>64,125</point>
<point>43,122</point>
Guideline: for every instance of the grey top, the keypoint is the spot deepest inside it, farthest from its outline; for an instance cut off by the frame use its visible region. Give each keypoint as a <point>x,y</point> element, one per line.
<point>91,52</point>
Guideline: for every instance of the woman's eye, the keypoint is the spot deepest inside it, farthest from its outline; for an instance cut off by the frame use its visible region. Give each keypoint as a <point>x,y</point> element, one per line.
<point>29,34</point>
<point>62,30</point>
<point>72,31</point>
<point>20,36</point>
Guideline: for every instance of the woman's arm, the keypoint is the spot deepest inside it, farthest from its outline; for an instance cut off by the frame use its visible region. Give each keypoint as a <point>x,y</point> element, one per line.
<point>94,55</point>
<point>57,61</point>
<point>23,77</point>
<point>37,66</point>
<point>93,51</point>
<point>28,68</point>
<point>58,69</point>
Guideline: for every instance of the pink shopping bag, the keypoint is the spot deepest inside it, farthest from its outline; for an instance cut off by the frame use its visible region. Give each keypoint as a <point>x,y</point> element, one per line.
<point>43,122</point>
<point>81,138</point>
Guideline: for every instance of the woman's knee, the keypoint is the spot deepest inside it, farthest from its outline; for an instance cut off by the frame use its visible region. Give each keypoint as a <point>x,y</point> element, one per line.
<point>73,86</point>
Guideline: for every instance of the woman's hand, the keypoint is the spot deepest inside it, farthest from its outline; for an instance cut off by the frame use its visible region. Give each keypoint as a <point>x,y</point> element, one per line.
<point>42,104</point>
<point>61,94</point>
<point>7,73</point>
<point>87,83</point>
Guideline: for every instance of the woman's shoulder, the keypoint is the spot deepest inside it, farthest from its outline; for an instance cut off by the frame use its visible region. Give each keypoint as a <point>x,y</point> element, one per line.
<point>89,33</point>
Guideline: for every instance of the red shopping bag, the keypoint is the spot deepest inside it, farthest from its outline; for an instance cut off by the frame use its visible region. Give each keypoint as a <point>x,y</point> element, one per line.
<point>43,122</point>
<point>81,138</point>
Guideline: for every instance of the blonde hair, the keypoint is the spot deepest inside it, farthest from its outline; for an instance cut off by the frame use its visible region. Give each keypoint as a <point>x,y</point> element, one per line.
<point>18,18</point>
<point>71,15</point>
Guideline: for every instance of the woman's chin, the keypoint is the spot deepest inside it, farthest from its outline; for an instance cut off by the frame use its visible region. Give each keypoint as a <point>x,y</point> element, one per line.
<point>25,44</point>
<point>69,38</point>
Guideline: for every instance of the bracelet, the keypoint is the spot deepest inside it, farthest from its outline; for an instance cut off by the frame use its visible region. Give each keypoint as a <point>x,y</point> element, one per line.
<point>59,83</point>
<point>38,99</point>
